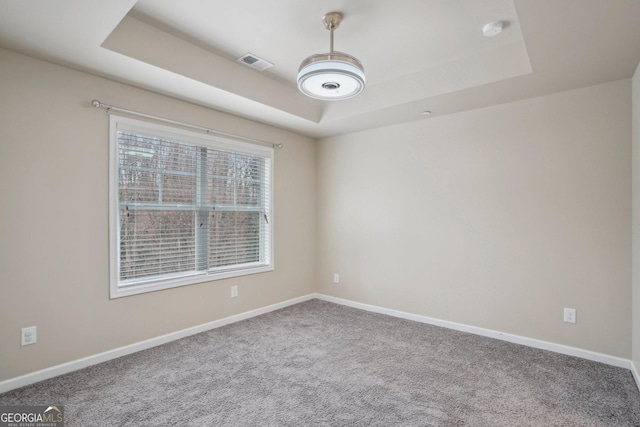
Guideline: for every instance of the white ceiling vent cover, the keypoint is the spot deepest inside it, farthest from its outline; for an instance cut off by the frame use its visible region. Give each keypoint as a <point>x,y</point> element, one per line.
<point>254,62</point>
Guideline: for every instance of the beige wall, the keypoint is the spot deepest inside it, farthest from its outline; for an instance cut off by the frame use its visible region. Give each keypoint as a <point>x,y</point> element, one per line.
<point>497,218</point>
<point>54,220</point>
<point>636,217</point>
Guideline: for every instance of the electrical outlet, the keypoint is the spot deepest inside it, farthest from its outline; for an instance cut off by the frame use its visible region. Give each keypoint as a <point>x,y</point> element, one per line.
<point>29,335</point>
<point>336,278</point>
<point>234,291</point>
<point>570,315</point>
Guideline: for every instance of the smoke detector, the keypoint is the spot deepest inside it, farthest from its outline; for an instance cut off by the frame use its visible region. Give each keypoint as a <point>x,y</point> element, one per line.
<point>492,29</point>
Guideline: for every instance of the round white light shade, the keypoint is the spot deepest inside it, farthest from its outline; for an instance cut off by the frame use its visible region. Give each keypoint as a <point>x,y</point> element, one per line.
<point>331,76</point>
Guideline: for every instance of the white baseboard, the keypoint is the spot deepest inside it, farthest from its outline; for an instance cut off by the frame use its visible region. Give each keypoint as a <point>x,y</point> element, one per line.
<point>516,339</point>
<point>84,362</point>
<point>635,374</point>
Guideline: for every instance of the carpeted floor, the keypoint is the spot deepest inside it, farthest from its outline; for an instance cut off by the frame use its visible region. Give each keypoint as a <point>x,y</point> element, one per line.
<point>322,364</point>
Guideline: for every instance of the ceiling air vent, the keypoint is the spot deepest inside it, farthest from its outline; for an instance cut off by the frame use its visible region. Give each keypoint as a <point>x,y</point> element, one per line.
<point>254,62</point>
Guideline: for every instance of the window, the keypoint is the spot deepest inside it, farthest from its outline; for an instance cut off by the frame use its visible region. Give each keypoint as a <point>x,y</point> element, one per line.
<point>185,207</point>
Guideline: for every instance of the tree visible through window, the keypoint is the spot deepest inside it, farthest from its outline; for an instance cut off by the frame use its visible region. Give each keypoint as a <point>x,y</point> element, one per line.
<point>189,207</point>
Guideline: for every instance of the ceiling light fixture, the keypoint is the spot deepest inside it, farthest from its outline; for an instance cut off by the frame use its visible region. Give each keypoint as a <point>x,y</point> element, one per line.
<point>333,75</point>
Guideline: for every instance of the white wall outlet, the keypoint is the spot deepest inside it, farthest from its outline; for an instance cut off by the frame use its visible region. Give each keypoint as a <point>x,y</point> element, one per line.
<point>570,315</point>
<point>234,291</point>
<point>336,278</point>
<point>29,335</point>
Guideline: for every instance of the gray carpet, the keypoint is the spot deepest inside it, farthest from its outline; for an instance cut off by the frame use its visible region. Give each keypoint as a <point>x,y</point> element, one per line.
<point>322,364</point>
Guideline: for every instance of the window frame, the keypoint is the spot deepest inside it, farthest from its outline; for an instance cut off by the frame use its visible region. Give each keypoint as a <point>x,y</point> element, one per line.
<point>134,287</point>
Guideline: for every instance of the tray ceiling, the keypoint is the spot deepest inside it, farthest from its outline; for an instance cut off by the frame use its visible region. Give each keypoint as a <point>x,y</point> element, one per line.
<point>418,54</point>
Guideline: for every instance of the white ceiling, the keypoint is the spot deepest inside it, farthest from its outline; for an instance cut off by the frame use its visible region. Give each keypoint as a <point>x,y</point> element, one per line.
<point>418,54</point>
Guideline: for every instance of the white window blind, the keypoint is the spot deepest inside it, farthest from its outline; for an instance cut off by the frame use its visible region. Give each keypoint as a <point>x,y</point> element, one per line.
<point>186,207</point>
